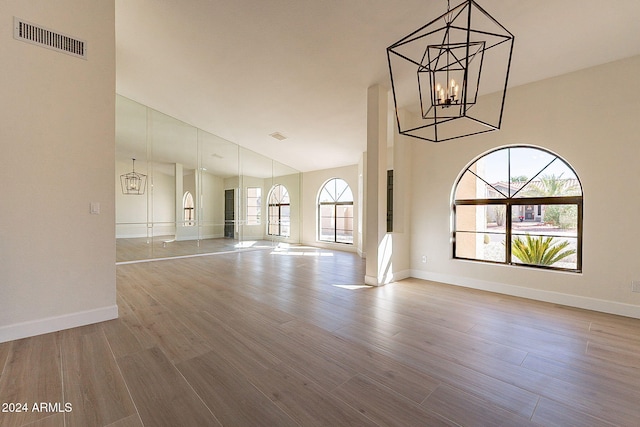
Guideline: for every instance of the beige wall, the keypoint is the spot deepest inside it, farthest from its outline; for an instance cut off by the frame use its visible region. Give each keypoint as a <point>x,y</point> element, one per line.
<point>57,142</point>
<point>583,118</point>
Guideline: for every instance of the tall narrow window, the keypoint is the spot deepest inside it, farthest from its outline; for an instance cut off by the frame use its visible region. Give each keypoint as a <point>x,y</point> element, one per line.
<point>189,209</point>
<point>279,212</point>
<point>389,201</point>
<point>254,205</point>
<point>335,212</point>
<point>519,205</point>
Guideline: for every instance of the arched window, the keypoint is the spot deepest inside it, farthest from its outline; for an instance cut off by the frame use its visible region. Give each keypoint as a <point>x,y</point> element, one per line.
<point>519,205</point>
<point>189,209</point>
<point>335,212</point>
<point>279,212</point>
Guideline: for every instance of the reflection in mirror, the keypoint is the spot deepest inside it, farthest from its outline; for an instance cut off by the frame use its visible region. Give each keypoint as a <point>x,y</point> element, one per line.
<point>205,194</point>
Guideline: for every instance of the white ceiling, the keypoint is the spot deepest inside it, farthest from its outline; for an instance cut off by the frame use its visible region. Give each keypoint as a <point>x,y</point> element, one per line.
<point>243,69</point>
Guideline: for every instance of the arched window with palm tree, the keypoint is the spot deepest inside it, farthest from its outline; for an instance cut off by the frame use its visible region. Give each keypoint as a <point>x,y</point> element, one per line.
<point>519,205</point>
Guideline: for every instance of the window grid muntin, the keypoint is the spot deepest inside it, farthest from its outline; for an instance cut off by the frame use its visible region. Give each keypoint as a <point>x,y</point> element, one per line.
<point>277,224</point>
<point>509,203</point>
<point>334,217</point>
<point>512,200</point>
<point>254,205</point>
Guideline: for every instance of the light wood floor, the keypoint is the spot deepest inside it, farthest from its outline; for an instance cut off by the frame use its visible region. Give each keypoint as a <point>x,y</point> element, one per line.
<point>264,339</point>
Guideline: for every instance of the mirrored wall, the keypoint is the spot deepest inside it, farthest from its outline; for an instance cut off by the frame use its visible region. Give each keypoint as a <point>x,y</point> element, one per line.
<point>191,192</point>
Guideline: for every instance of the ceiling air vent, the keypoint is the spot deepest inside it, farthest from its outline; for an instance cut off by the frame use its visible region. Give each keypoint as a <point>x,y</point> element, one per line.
<point>278,136</point>
<point>37,35</point>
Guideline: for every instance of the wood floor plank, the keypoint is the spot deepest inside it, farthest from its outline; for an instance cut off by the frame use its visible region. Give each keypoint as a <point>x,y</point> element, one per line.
<point>127,316</point>
<point>500,393</point>
<point>553,414</point>
<point>469,410</point>
<point>160,393</point>
<point>56,420</point>
<point>385,407</point>
<point>172,336</point>
<point>404,380</point>
<point>593,400</point>
<point>321,368</point>
<point>242,351</point>
<point>131,421</point>
<point>530,339</point>
<point>4,354</point>
<point>612,379</point>
<point>304,401</point>
<point>92,380</point>
<point>230,395</point>
<point>32,374</point>
<point>618,355</point>
<point>121,339</point>
<point>460,346</point>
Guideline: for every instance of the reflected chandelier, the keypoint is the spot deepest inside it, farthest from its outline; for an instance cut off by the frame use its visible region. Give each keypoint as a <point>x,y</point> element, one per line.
<point>437,72</point>
<point>133,182</point>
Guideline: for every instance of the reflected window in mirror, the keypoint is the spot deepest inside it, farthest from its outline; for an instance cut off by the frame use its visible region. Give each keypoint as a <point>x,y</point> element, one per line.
<point>254,205</point>
<point>279,212</point>
<point>189,209</point>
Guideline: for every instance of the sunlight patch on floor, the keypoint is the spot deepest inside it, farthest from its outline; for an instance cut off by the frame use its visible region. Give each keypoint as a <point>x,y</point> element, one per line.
<point>288,250</point>
<point>353,287</point>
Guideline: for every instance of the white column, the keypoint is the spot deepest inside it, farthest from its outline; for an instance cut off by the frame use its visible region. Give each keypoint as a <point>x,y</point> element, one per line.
<point>377,243</point>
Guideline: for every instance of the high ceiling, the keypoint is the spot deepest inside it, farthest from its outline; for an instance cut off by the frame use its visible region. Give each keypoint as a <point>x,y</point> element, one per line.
<point>244,69</point>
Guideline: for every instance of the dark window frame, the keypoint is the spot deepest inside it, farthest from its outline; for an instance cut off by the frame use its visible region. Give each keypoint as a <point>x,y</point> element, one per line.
<point>509,203</point>
<point>335,205</point>
<point>279,205</point>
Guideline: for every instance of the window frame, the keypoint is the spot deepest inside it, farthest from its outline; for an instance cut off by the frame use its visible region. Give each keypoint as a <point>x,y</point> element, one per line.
<point>509,203</point>
<point>335,203</point>
<point>278,204</point>
<point>188,209</point>
<point>257,218</point>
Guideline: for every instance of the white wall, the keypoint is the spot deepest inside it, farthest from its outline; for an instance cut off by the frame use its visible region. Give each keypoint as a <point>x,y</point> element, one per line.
<point>57,265</point>
<point>591,118</point>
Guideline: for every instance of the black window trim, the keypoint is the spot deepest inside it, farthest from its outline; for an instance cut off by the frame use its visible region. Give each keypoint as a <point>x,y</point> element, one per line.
<point>509,202</point>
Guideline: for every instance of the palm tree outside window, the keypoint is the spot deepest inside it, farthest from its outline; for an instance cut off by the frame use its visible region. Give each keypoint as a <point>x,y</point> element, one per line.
<point>519,205</point>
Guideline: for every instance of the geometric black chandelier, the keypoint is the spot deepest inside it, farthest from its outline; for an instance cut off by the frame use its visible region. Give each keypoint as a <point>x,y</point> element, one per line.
<point>133,182</point>
<point>438,70</point>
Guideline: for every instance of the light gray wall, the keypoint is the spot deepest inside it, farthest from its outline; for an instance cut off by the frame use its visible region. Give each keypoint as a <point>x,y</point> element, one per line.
<point>57,142</point>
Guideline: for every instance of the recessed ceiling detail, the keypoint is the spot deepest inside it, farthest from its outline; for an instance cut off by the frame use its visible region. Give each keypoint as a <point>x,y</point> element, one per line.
<point>49,39</point>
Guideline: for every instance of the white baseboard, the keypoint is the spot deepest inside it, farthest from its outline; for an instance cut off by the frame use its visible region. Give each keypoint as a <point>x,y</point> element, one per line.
<point>401,275</point>
<point>57,323</point>
<point>392,277</point>
<point>604,306</point>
